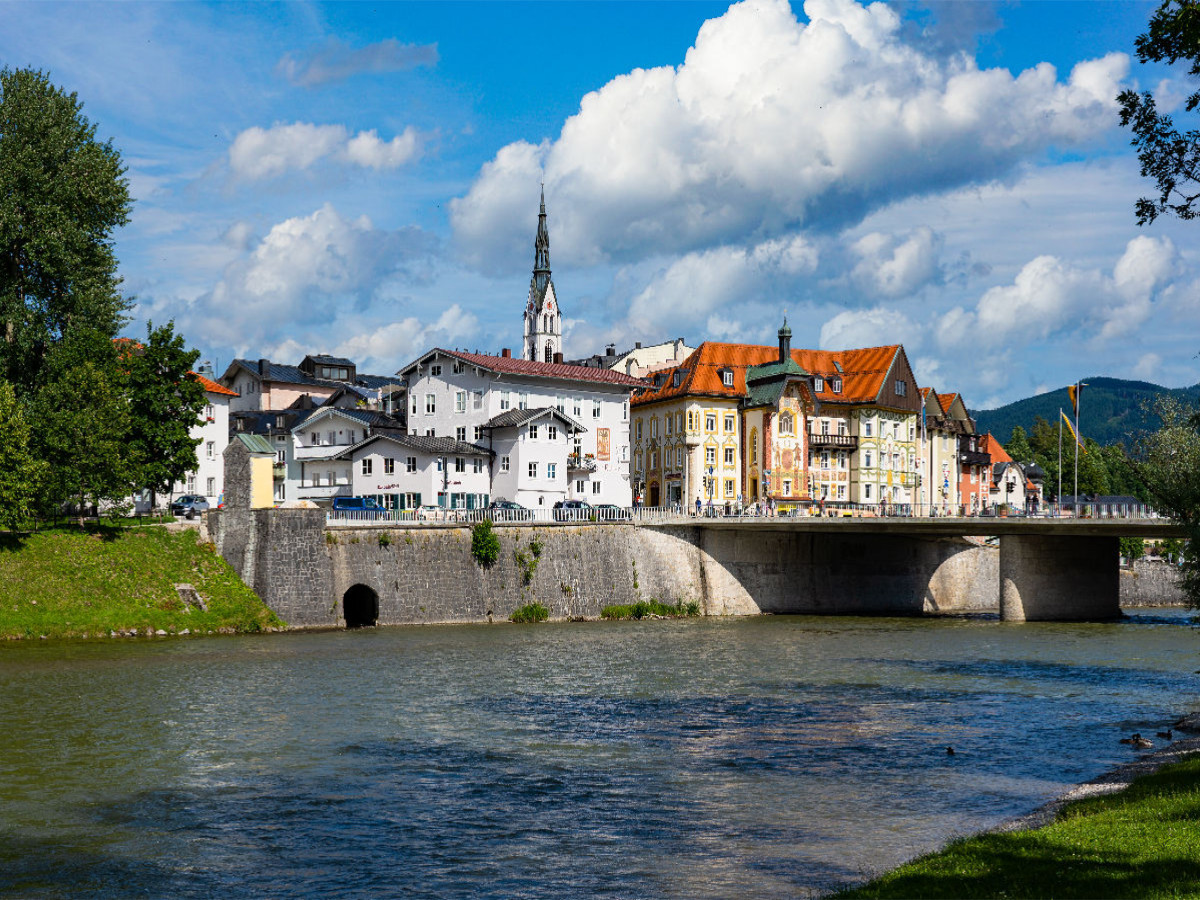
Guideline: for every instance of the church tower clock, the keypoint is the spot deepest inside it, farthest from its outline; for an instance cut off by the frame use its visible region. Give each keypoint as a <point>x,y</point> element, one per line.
<point>543,318</point>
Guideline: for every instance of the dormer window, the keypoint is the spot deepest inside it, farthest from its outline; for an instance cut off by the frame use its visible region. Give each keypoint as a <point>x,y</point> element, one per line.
<point>435,371</point>
<point>835,385</point>
<point>727,377</point>
<point>818,384</point>
<point>458,368</point>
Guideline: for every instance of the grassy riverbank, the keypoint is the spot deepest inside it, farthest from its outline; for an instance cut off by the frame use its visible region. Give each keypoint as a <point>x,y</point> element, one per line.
<point>1143,842</point>
<point>69,583</point>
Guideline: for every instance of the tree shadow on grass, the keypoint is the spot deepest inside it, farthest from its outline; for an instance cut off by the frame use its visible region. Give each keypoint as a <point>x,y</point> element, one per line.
<point>12,541</point>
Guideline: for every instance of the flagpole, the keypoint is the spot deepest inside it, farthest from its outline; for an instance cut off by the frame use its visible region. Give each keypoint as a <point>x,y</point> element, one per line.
<point>1077,402</point>
<point>1060,418</point>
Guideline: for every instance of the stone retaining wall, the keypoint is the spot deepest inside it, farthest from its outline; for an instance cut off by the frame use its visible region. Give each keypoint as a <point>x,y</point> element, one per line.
<point>1151,582</point>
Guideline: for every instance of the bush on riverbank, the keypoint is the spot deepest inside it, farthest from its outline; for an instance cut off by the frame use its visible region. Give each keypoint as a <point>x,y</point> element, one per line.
<point>529,613</point>
<point>1138,843</point>
<point>67,583</point>
<point>644,608</point>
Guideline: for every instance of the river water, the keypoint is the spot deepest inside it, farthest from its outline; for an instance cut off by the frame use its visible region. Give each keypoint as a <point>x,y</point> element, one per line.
<point>765,757</point>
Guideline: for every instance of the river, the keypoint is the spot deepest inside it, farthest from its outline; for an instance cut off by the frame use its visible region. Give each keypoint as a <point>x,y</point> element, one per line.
<point>763,757</point>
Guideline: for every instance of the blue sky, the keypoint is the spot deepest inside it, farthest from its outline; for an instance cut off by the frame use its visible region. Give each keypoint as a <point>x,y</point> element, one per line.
<point>363,178</point>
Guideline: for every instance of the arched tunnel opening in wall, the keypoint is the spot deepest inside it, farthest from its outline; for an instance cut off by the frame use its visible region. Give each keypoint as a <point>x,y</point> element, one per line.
<point>360,607</point>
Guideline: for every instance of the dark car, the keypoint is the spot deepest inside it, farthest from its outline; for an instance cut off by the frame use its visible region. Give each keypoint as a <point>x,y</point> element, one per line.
<point>509,511</point>
<point>189,505</point>
<point>572,511</point>
<point>610,512</point>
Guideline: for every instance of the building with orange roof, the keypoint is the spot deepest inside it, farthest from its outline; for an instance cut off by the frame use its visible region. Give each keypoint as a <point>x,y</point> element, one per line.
<point>793,425</point>
<point>208,478</point>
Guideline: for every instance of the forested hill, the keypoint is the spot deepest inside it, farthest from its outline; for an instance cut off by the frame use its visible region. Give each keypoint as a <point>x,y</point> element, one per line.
<point>1111,409</point>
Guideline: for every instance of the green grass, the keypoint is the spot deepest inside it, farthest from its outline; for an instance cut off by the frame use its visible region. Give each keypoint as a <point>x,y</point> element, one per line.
<point>67,583</point>
<point>644,608</point>
<point>1143,842</point>
<point>529,613</point>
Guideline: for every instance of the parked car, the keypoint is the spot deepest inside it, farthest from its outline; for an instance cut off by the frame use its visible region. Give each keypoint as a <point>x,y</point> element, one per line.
<point>189,505</point>
<point>509,511</point>
<point>610,512</point>
<point>362,507</point>
<point>572,510</point>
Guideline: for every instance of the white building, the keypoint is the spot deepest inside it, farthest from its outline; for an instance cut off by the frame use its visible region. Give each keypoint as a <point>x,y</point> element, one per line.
<point>208,479</point>
<point>402,471</point>
<point>579,446</point>
<point>315,466</point>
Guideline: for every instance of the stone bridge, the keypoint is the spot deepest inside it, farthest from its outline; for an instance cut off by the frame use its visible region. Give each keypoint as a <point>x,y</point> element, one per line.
<point>315,576</point>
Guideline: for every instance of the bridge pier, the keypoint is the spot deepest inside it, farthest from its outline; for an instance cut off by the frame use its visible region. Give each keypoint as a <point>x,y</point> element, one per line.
<point>1063,578</point>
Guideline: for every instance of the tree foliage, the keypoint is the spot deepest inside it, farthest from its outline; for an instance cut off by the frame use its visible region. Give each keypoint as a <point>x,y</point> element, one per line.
<point>20,471</point>
<point>165,400</point>
<point>1168,461</point>
<point>62,194</point>
<point>1168,155</point>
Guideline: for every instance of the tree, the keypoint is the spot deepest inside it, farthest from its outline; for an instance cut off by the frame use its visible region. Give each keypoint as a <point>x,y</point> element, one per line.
<point>62,194</point>
<point>1018,446</point>
<point>165,400</point>
<point>1168,461</point>
<point>1169,156</point>
<point>20,471</point>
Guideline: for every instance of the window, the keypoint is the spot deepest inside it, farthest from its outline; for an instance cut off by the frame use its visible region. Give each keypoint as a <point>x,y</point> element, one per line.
<point>625,411</point>
<point>410,464</point>
<point>754,447</point>
<point>533,470</point>
<point>212,487</point>
<point>595,409</point>
<point>710,422</point>
<point>560,404</point>
<point>579,486</point>
<point>866,492</point>
<point>728,487</point>
<point>867,428</point>
<point>430,404</point>
<point>653,459</point>
<point>441,463</point>
<point>331,438</point>
<point>787,425</point>
<point>435,371</point>
<point>477,466</point>
<point>824,426</point>
<point>896,430</point>
<point>414,404</point>
<point>654,428</point>
<point>710,456</point>
<point>477,399</point>
<point>679,422</point>
<point>637,461</point>
<point>818,383</point>
<point>841,426</point>
<point>459,367</point>
<point>281,456</point>
<point>551,470</point>
<point>350,436</point>
<point>835,385</point>
<point>727,377</point>
<point>866,459</point>
<point>912,432</point>
<point>429,432</point>
<point>460,464</point>
<point>595,487</point>
<point>552,432</point>
<point>676,378</point>
<point>504,466</point>
<point>670,420</point>
<point>460,401</point>
<point>279,438</point>
<point>901,387</point>
<point>210,449</point>
<point>637,429</point>
<point>314,439</point>
<point>691,420</point>
<point>460,433</point>
<point>787,487</point>
<point>505,400</point>
<point>533,432</point>
<point>578,406</point>
<point>210,414</point>
<point>523,400</point>
<point>729,456</point>
<point>366,466</point>
<point>730,424</point>
<point>389,466</point>
<point>824,459</point>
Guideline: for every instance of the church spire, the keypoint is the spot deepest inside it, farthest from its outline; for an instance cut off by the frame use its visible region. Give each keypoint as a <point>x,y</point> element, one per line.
<point>541,250</point>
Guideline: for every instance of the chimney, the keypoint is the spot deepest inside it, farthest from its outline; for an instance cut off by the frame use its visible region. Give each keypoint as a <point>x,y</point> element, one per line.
<point>610,350</point>
<point>558,358</point>
<point>785,342</point>
<point>506,353</point>
<point>262,366</point>
<point>677,352</point>
<point>637,345</point>
<point>629,367</point>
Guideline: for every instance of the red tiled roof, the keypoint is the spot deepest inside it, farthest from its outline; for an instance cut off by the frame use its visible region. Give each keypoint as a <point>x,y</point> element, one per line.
<point>991,446</point>
<point>213,388</point>
<point>543,369</point>
<point>862,371</point>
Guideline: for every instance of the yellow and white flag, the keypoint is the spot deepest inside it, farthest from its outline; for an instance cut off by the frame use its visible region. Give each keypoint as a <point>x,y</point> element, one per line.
<point>1071,428</point>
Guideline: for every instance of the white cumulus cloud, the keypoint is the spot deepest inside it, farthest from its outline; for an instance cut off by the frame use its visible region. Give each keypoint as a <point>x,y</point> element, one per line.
<point>258,153</point>
<point>771,124</point>
<point>896,265</point>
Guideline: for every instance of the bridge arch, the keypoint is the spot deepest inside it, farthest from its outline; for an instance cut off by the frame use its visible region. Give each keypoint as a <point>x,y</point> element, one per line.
<point>360,607</point>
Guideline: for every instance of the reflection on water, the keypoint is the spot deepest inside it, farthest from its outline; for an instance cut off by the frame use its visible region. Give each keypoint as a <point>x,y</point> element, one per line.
<point>762,757</point>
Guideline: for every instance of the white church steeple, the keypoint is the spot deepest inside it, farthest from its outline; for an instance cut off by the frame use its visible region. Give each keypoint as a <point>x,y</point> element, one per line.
<point>543,318</point>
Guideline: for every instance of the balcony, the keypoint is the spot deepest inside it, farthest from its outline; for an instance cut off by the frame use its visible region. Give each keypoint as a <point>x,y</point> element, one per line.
<point>584,463</point>
<point>310,491</point>
<point>279,470</point>
<point>974,458</point>
<point>832,441</point>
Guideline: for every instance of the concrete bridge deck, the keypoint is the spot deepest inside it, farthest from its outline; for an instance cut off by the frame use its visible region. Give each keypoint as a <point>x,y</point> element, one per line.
<point>944,526</point>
